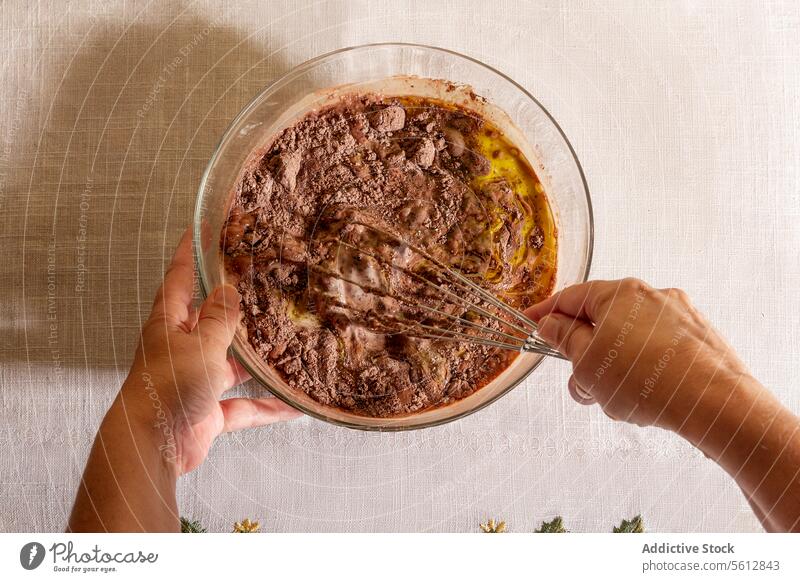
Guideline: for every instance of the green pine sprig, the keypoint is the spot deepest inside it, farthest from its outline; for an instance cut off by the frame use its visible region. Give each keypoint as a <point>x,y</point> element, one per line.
<point>188,526</point>
<point>634,525</point>
<point>554,526</point>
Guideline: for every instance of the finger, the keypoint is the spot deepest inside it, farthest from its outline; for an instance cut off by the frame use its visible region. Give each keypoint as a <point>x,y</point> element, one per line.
<point>238,373</point>
<point>578,393</point>
<point>584,301</point>
<point>241,413</point>
<point>174,297</point>
<point>218,318</point>
<point>569,336</point>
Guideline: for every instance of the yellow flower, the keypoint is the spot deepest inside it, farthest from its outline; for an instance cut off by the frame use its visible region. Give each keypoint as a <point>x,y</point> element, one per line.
<point>492,527</point>
<point>246,526</point>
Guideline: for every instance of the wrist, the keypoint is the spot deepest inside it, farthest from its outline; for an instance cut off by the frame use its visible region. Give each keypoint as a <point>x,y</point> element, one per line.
<point>139,410</point>
<point>721,415</point>
<point>143,396</point>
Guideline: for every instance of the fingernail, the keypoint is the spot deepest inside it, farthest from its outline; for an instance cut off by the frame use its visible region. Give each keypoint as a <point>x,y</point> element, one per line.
<point>227,296</point>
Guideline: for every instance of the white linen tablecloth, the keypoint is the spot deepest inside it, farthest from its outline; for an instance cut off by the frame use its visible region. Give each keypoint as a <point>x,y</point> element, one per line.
<point>684,115</point>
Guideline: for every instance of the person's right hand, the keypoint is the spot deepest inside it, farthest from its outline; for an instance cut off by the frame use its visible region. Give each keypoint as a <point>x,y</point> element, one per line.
<point>645,355</point>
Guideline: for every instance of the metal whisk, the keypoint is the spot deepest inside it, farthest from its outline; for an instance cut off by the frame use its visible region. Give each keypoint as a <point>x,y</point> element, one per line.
<point>517,331</point>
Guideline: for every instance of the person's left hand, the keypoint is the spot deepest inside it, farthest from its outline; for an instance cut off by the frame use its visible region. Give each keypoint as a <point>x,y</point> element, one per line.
<point>182,368</point>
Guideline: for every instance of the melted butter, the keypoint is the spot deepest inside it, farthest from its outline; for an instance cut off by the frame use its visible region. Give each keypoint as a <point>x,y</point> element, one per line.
<point>298,312</point>
<point>510,165</point>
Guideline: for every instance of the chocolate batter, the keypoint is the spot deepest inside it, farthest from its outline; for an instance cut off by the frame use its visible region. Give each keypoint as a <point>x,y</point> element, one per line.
<point>437,175</point>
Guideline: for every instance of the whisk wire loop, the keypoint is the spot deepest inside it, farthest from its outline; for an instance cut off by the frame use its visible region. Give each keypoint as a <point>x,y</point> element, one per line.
<point>423,329</point>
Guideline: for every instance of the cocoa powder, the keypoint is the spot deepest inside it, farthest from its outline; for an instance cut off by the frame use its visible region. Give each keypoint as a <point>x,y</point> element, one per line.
<point>408,166</point>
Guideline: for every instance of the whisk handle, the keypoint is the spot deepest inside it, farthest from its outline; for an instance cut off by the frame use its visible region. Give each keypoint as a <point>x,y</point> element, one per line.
<point>534,346</point>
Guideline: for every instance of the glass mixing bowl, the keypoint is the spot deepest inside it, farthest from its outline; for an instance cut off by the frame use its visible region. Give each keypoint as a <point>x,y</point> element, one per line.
<point>396,69</point>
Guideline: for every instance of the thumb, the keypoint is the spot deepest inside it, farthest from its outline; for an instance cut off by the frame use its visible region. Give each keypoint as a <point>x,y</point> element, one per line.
<point>219,316</point>
<point>568,335</point>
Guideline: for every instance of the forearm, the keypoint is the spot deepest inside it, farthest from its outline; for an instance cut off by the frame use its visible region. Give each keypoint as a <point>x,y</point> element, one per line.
<point>130,477</point>
<point>747,431</point>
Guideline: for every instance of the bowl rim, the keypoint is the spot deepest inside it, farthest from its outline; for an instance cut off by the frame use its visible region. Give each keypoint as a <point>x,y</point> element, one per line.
<point>293,72</point>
